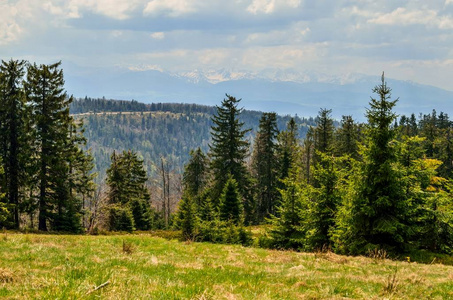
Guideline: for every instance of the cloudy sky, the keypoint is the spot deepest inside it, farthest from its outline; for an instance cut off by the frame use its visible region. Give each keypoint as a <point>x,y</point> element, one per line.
<point>410,40</point>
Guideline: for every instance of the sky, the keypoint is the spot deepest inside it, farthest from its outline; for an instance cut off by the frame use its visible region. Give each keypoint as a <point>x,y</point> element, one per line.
<point>409,40</point>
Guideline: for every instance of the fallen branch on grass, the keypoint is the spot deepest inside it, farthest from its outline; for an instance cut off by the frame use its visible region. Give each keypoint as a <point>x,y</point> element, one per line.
<point>98,287</point>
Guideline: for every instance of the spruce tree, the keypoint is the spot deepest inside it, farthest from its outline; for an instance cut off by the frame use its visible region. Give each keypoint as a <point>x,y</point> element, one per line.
<point>323,203</point>
<point>12,114</point>
<point>323,133</point>
<point>347,138</point>
<point>44,89</point>
<point>78,179</point>
<point>228,151</point>
<point>128,196</point>
<point>265,166</point>
<point>377,216</point>
<point>286,232</point>
<point>195,173</point>
<point>230,202</point>
<point>288,148</point>
<point>187,218</point>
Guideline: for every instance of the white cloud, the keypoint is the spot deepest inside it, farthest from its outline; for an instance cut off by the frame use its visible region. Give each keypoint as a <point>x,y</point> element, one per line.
<point>116,9</point>
<point>13,19</point>
<point>295,34</point>
<point>403,16</point>
<point>172,8</point>
<point>270,6</point>
<point>9,29</point>
<point>158,35</point>
<point>263,6</point>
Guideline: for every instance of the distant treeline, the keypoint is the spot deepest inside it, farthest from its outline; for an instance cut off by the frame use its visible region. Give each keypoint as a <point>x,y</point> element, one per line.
<point>96,105</point>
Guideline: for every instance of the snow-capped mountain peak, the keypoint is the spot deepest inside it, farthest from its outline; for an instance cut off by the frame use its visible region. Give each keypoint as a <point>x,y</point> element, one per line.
<point>275,75</point>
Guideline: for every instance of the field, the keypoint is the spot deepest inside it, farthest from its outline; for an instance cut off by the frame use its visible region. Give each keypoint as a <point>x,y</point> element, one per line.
<point>147,267</point>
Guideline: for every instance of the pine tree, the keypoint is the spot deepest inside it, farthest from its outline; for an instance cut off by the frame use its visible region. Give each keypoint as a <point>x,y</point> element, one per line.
<point>77,181</point>
<point>264,166</point>
<point>288,148</point>
<point>378,213</point>
<point>228,151</point>
<point>319,218</point>
<point>44,89</point>
<point>230,202</point>
<point>323,133</point>
<point>187,218</point>
<point>286,232</point>
<point>128,196</point>
<point>346,138</point>
<point>12,110</point>
<point>195,173</point>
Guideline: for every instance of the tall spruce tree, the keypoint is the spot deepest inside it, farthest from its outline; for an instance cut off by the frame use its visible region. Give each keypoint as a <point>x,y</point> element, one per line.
<point>228,151</point>
<point>50,104</point>
<point>265,166</point>
<point>78,181</point>
<point>378,212</point>
<point>12,114</point>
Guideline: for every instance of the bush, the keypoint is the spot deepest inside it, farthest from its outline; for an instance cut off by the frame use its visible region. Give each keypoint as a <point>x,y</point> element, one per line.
<point>224,232</point>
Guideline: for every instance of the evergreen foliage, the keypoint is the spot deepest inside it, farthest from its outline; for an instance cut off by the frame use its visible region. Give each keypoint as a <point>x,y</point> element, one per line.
<point>228,151</point>
<point>319,218</point>
<point>195,175</point>
<point>231,208</point>
<point>265,166</point>
<point>379,210</point>
<point>128,195</point>
<point>323,133</point>
<point>187,218</point>
<point>286,232</point>
<point>12,119</point>
<point>288,148</point>
<point>347,138</point>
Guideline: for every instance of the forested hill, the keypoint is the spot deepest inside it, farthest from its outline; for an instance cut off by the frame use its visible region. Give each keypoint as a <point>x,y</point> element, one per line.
<point>156,130</point>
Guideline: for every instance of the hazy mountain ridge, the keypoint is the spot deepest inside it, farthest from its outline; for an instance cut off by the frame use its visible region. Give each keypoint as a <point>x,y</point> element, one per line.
<point>282,91</point>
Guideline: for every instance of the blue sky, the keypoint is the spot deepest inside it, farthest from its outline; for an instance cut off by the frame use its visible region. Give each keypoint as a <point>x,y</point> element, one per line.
<point>410,40</point>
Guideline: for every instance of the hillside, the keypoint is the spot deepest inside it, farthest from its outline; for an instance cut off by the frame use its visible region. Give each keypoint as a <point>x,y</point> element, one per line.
<point>146,267</point>
<point>154,130</point>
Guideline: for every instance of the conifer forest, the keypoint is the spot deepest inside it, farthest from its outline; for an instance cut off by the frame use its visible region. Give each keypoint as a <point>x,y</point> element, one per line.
<point>213,173</point>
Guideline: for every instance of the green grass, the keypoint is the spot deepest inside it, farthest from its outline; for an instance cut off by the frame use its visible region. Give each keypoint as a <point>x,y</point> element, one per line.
<point>146,267</point>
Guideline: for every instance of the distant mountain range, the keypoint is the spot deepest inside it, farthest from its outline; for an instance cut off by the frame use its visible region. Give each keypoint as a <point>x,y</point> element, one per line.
<point>282,91</point>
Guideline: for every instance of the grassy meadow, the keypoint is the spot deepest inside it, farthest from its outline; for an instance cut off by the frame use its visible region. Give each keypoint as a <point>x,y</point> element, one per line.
<point>142,266</point>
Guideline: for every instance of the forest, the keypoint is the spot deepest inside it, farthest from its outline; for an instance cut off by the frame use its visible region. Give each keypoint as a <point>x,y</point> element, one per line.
<point>154,131</point>
<point>349,187</point>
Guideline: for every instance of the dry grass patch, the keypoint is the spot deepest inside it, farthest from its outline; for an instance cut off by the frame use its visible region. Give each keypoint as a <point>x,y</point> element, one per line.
<point>6,276</point>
